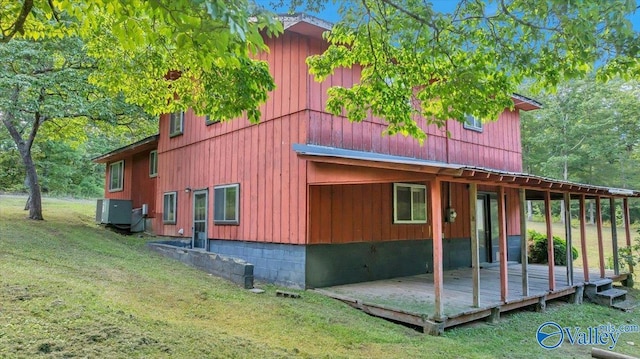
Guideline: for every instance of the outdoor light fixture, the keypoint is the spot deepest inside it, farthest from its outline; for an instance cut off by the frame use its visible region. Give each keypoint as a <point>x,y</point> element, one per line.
<point>450,215</point>
<point>187,190</point>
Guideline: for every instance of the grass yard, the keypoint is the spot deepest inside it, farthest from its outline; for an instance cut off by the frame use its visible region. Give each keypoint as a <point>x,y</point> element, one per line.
<point>69,288</point>
<point>592,241</point>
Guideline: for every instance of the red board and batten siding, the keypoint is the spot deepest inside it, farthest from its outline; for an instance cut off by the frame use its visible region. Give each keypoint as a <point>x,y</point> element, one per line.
<point>272,179</point>
<point>497,146</point>
<point>259,157</point>
<point>347,213</point>
<point>286,61</point>
<point>137,185</point>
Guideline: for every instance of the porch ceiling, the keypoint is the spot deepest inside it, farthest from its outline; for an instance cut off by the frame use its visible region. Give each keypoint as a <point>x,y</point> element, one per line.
<point>536,186</point>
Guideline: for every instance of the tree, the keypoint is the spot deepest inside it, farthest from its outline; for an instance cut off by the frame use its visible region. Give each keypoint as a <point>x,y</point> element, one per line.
<point>204,46</point>
<point>44,83</point>
<point>417,61</point>
<point>587,132</point>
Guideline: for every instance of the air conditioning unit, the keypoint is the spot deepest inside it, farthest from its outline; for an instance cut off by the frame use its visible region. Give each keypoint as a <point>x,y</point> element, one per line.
<point>113,211</point>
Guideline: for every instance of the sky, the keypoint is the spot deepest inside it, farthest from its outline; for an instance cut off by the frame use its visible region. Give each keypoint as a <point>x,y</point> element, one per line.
<point>330,12</point>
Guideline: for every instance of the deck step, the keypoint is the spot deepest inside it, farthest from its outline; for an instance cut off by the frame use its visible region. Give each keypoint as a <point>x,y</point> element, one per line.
<point>601,283</point>
<point>626,305</point>
<point>611,296</point>
<point>597,286</point>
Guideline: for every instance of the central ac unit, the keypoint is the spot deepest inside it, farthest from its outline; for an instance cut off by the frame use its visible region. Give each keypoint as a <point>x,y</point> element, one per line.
<point>113,211</point>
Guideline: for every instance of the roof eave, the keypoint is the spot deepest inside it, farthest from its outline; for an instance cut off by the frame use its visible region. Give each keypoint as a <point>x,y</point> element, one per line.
<point>525,103</point>
<point>129,149</point>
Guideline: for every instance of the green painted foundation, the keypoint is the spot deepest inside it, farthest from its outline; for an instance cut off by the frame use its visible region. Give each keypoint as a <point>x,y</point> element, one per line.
<point>335,264</point>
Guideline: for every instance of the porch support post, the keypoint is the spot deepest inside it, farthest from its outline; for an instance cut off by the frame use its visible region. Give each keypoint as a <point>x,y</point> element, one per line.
<point>550,257</point>
<point>436,225</point>
<point>504,280</point>
<point>524,246</point>
<point>599,230</point>
<point>475,245</point>
<point>627,226</point>
<point>567,230</point>
<point>583,239</point>
<point>614,235</point>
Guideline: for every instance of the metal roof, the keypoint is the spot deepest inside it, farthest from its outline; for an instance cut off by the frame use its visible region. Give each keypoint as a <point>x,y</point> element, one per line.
<point>472,173</point>
<point>143,144</point>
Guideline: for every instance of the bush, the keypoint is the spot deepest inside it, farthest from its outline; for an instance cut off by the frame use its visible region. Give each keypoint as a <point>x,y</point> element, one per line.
<point>631,255</point>
<point>538,249</point>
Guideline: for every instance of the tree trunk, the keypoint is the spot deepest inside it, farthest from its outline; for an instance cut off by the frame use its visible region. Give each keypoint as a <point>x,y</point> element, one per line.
<point>529,211</point>
<point>9,119</point>
<point>35,197</point>
<point>592,215</point>
<point>26,184</point>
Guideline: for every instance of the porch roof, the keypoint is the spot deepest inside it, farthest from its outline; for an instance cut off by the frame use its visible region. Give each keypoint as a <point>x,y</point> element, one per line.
<point>144,144</point>
<point>536,185</point>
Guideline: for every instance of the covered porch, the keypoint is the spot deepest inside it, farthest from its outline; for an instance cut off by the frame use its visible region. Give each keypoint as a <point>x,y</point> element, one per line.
<point>442,298</point>
<point>411,300</point>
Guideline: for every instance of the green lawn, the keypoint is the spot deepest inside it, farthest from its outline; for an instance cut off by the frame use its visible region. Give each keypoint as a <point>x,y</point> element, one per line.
<point>69,288</point>
<point>591,241</point>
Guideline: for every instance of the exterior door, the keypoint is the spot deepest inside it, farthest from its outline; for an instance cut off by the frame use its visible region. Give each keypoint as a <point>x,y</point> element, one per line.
<point>488,227</point>
<point>200,206</point>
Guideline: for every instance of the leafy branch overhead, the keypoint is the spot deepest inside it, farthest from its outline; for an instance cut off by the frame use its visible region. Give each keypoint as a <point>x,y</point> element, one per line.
<point>417,61</point>
<point>137,42</point>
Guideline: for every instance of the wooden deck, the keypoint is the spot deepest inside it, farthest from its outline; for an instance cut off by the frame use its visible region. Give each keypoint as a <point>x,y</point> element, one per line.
<point>410,300</point>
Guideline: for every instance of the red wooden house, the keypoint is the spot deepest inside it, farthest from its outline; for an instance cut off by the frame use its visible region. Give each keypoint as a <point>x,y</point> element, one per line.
<point>313,200</point>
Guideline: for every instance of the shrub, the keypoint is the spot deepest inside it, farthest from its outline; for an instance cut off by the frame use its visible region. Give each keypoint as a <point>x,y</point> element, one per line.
<point>538,249</point>
<point>631,255</point>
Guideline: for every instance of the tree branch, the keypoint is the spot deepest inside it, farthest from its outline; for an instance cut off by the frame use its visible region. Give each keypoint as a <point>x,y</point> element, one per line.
<point>38,121</point>
<point>18,25</point>
<point>7,119</point>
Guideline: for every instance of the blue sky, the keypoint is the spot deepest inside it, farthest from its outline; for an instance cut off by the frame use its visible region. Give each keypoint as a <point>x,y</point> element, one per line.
<point>330,13</point>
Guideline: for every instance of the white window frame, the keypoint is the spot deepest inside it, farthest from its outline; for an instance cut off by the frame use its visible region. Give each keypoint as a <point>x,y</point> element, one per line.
<point>173,118</point>
<point>174,204</point>
<point>153,163</point>
<point>120,187</point>
<point>413,188</point>
<point>473,123</point>
<point>216,215</point>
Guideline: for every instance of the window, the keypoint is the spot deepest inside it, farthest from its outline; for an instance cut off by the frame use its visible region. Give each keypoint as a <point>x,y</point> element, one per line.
<point>176,122</point>
<point>169,208</point>
<point>209,121</point>
<point>226,204</point>
<point>116,176</point>
<point>473,123</point>
<point>409,203</point>
<point>153,163</point>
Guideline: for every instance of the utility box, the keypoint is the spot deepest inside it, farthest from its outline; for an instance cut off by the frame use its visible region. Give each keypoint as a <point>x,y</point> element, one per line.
<point>114,211</point>
<point>99,211</point>
<point>137,220</point>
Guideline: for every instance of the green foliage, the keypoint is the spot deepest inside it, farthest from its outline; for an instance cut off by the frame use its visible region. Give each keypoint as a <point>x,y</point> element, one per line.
<point>416,61</point>
<point>587,132</point>
<point>538,249</point>
<point>631,255</point>
<point>50,111</point>
<point>136,43</point>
